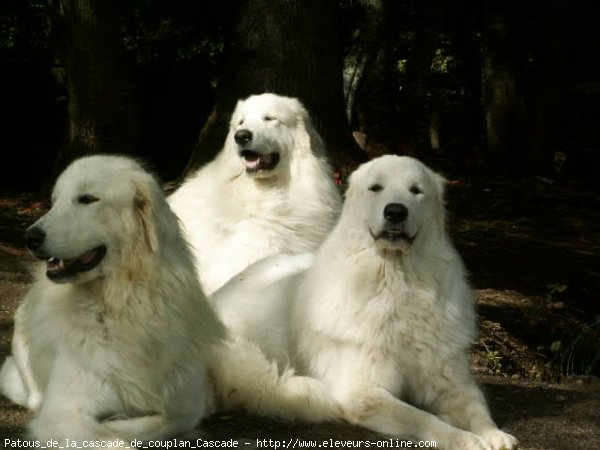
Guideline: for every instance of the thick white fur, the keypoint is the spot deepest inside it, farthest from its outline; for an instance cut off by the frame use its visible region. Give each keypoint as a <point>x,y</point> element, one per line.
<point>131,349</point>
<point>232,218</point>
<point>386,325</point>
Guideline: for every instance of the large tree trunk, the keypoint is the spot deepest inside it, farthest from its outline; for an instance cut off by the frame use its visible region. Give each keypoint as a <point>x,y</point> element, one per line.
<point>503,103</point>
<point>103,106</point>
<point>288,47</point>
<point>545,114</point>
<point>377,91</point>
<point>468,49</point>
<point>363,47</point>
<point>417,78</point>
<point>391,112</point>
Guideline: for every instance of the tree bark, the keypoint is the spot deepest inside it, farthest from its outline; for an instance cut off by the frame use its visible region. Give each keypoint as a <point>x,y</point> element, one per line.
<point>291,48</point>
<point>545,115</point>
<point>417,77</point>
<point>363,48</point>
<point>469,51</point>
<point>503,102</point>
<point>391,109</point>
<point>104,114</point>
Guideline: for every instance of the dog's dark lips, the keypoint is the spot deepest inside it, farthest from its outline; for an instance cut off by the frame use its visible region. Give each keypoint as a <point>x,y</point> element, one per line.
<point>61,269</point>
<point>256,162</point>
<point>393,236</point>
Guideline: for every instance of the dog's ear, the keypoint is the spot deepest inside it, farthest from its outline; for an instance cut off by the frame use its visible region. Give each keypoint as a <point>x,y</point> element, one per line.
<point>143,205</point>
<point>354,179</point>
<point>440,183</point>
<point>440,186</point>
<point>306,137</point>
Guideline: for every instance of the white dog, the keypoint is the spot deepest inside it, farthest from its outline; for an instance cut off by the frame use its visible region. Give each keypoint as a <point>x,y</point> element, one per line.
<point>383,316</point>
<point>269,190</point>
<point>115,339</point>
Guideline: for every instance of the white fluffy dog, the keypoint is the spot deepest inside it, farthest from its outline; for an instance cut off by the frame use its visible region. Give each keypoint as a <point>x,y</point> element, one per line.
<point>115,339</point>
<point>269,190</point>
<point>383,316</point>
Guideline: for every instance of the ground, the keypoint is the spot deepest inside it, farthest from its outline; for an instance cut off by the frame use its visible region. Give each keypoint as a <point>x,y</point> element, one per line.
<point>532,248</point>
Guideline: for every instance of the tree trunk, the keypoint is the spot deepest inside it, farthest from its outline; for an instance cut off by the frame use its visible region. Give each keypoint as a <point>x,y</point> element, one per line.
<point>468,49</point>
<point>377,90</point>
<point>103,105</point>
<point>391,111</point>
<point>545,113</point>
<point>503,103</point>
<point>363,48</point>
<point>417,77</point>
<point>291,48</point>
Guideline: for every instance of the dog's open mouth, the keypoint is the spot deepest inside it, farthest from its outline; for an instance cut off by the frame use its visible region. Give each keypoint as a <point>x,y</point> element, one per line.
<point>256,162</point>
<point>60,269</point>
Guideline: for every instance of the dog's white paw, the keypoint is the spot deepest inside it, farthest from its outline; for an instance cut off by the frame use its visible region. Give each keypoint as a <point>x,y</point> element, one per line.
<point>498,439</point>
<point>464,440</point>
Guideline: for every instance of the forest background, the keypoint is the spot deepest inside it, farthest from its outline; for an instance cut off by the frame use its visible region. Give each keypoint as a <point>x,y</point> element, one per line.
<point>502,97</point>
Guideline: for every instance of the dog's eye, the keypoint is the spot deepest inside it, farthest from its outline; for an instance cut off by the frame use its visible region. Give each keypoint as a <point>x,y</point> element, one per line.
<point>376,187</point>
<point>414,189</point>
<point>269,118</point>
<point>241,121</point>
<point>86,199</point>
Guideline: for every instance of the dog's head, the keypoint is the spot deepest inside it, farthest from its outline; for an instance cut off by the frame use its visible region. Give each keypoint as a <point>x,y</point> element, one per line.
<point>107,213</point>
<point>267,131</point>
<point>397,202</point>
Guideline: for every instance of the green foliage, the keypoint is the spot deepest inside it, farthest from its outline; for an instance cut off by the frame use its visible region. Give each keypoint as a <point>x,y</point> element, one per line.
<point>24,28</point>
<point>583,354</point>
<point>555,289</point>
<point>494,361</point>
<point>180,32</point>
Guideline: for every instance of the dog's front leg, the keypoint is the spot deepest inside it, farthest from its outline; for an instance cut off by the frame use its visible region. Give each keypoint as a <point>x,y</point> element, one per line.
<point>149,428</point>
<point>465,407</point>
<point>20,349</point>
<point>16,376</point>
<point>12,384</point>
<point>377,409</point>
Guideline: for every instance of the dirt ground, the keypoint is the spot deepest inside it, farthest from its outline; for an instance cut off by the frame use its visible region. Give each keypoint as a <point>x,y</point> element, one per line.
<point>533,250</point>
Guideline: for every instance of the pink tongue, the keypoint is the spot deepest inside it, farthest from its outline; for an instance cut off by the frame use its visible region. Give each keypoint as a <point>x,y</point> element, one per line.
<point>86,257</point>
<point>252,162</point>
<point>56,264</point>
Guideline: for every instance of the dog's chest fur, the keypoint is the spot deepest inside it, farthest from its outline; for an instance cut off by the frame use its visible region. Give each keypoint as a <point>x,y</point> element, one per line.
<point>238,221</point>
<point>398,323</point>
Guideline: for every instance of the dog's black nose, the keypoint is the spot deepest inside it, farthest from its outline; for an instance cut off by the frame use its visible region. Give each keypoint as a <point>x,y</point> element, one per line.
<point>34,238</point>
<point>395,212</point>
<point>242,137</point>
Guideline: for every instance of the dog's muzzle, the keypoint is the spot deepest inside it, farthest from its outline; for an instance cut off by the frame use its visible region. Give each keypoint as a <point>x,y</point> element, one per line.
<point>60,270</point>
<point>394,235</point>
<point>394,230</point>
<point>255,161</point>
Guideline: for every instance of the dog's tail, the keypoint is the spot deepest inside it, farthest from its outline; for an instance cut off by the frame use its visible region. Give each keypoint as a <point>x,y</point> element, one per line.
<point>245,379</point>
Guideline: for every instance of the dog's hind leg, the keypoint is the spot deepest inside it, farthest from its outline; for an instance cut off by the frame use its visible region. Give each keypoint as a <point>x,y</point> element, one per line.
<point>148,428</point>
<point>76,425</point>
<point>244,378</point>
